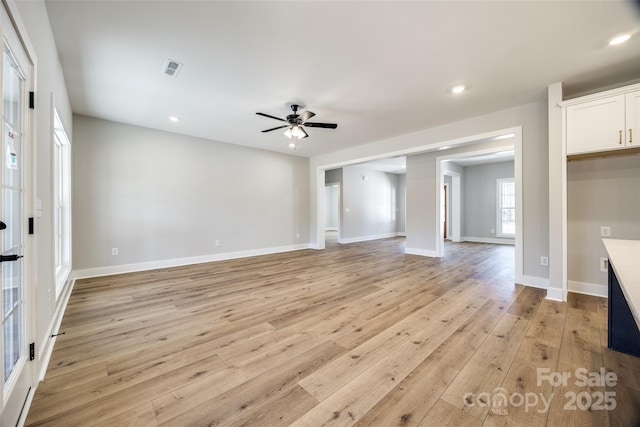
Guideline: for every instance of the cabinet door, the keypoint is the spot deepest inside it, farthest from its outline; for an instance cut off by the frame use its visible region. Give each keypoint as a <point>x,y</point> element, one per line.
<point>596,125</point>
<point>632,130</point>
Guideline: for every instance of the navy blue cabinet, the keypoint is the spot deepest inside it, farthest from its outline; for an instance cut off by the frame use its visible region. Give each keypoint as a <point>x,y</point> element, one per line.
<point>624,334</point>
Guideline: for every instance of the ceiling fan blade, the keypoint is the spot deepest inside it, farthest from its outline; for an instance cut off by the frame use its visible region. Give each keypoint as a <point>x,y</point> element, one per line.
<point>276,128</point>
<point>305,133</point>
<point>321,125</point>
<point>271,117</point>
<point>306,116</point>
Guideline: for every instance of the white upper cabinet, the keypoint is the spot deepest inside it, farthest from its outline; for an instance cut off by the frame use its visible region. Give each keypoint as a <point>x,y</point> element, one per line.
<point>633,119</point>
<point>603,122</point>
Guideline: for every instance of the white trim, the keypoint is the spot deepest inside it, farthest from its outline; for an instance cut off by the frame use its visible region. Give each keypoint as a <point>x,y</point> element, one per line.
<point>456,213</point>
<point>534,282</point>
<point>367,238</point>
<point>600,95</point>
<point>564,208</point>
<point>152,265</point>
<point>556,294</point>
<point>492,240</point>
<point>320,205</point>
<point>588,288</point>
<point>421,252</point>
<point>331,229</point>
<point>402,234</point>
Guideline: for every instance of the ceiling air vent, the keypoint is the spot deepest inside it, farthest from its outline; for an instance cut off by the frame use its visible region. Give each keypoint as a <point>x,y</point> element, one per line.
<point>171,67</point>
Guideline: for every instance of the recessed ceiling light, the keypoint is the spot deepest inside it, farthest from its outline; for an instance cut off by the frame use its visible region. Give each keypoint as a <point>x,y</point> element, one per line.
<point>620,39</point>
<point>458,89</point>
<point>444,147</point>
<point>174,119</point>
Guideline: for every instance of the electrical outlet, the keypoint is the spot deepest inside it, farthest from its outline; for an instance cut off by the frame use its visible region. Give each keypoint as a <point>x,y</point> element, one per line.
<point>544,260</point>
<point>605,231</point>
<point>297,235</point>
<point>493,231</point>
<point>217,242</point>
<point>604,264</point>
<point>114,251</point>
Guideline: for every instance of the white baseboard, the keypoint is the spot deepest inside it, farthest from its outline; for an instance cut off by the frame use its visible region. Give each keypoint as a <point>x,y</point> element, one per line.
<point>367,238</point>
<point>533,281</point>
<point>402,234</point>
<point>421,252</point>
<point>331,229</point>
<point>555,294</point>
<point>492,240</point>
<point>588,288</point>
<point>152,265</point>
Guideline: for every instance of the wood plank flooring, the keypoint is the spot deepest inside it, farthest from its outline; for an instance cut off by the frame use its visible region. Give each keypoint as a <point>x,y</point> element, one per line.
<point>357,334</point>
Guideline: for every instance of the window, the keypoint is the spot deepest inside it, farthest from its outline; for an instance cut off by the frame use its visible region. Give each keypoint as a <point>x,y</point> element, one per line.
<point>506,198</point>
<point>61,204</point>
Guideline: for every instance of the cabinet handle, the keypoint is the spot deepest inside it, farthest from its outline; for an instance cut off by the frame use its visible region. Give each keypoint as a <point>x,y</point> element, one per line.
<point>630,135</point>
<point>620,140</point>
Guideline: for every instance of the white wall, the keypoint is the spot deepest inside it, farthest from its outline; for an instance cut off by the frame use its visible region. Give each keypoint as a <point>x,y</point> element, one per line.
<point>49,85</point>
<point>480,211</point>
<point>158,196</point>
<point>370,203</point>
<point>421,175</point>
<point>601,192</point>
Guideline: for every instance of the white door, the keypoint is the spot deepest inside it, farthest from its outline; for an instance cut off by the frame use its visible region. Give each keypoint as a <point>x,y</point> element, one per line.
<point>15,182</point>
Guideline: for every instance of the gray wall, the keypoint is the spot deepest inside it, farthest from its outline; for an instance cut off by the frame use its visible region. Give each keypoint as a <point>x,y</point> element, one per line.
<point>600,192</point>
<point>333,176</point>
<point>372,203</point>
<point>161,196</point>
<point>479,198</point>
<point>50,90</point>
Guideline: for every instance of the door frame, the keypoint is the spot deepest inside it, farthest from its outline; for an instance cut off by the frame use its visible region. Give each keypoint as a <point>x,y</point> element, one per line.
<point>13,32</point>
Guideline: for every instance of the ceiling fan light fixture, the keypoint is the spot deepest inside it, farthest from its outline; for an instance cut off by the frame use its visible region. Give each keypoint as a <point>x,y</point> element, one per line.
<point>295,132</point>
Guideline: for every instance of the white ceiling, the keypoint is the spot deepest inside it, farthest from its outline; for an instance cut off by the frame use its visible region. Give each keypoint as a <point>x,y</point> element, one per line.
<point>378,69</point>
<point>501,156</point>
<point>392,165</point>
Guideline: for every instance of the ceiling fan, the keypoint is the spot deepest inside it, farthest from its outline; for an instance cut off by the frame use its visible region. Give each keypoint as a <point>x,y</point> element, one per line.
<point>296,123</point>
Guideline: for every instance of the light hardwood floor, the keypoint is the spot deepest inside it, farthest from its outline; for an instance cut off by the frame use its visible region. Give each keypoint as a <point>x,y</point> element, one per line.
<point>357,334</point>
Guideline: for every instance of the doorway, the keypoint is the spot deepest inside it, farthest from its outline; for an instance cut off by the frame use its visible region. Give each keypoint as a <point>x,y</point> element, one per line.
<point>500,153</point>
<point>332,212</point>
<point>15,203</point>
